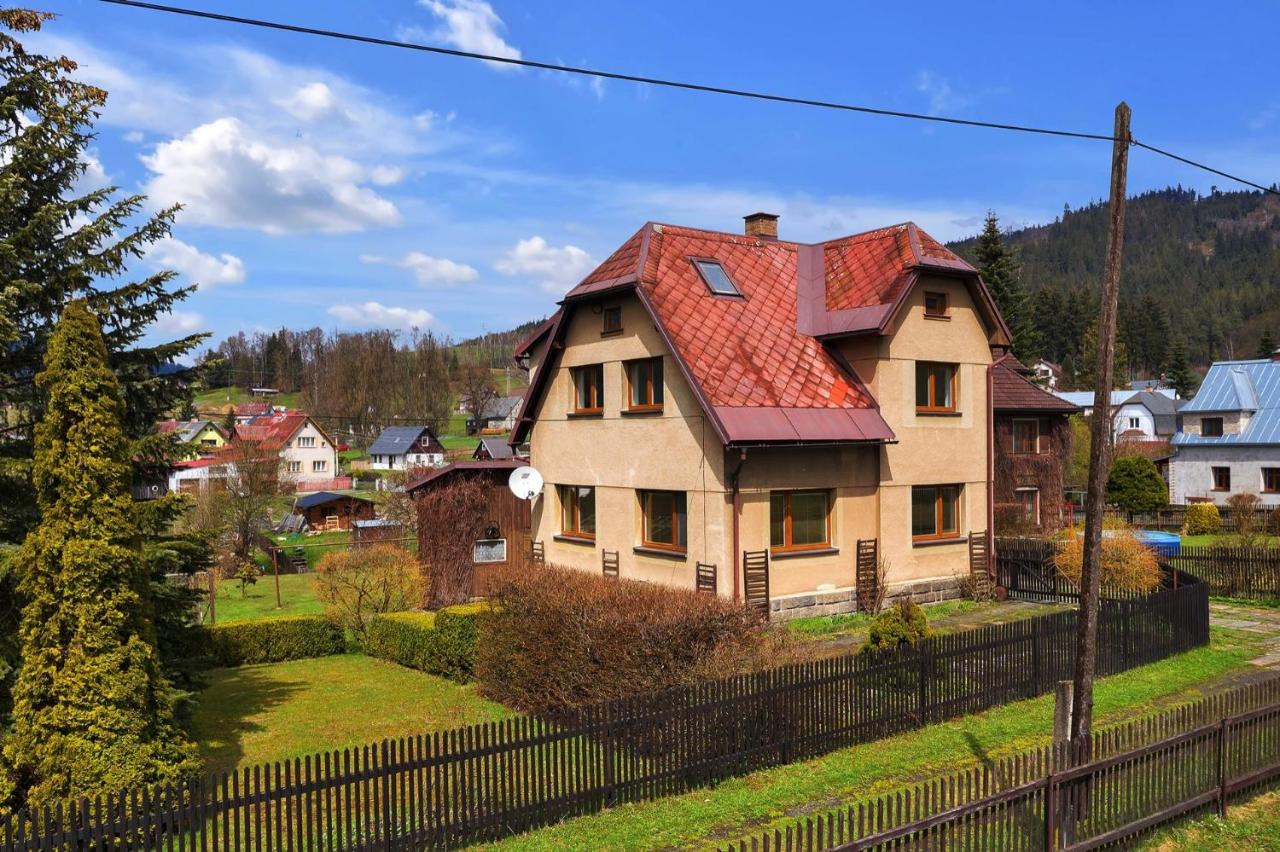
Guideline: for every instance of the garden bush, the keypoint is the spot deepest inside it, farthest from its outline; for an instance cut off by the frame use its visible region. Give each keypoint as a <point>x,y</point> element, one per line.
<point>361,583</point>
<point>238,643</point>
<point>1135,485</point>
<point>558,638</point>
<point>904,623</point>
<point>1128,565</point>
<point>1202,519</point>
<point>440,643</point>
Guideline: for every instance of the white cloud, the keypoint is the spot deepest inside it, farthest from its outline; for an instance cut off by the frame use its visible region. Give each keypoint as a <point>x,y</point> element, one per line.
<point>378,315</point>
<point>427,269</point>
<point>942,97</point>
<point>310,102</point>
<point>196,266</point>
<point>557,269</point>
<point>470,25</point>
<point>179,322</point>
<point>228,177</point>
<point>134,136</point>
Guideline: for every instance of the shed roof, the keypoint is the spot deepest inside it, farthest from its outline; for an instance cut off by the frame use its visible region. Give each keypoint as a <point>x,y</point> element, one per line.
<point>320,498</point>
<point>459,467</point>
<point>1012,390</point>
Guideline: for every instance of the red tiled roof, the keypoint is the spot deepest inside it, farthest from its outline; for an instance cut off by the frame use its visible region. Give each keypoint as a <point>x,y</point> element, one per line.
<point>1011,390</point>
<point>272,431</point>
<point>252,409</point>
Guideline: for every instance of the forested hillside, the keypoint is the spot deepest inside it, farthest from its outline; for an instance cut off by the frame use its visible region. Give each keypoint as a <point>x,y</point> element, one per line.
<point>1203,271</point>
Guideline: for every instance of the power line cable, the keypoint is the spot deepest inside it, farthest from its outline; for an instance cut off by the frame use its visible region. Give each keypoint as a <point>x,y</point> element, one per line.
<point>677,84</point>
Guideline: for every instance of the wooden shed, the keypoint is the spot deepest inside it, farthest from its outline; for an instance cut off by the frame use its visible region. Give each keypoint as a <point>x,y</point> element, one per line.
<point>327,510</point>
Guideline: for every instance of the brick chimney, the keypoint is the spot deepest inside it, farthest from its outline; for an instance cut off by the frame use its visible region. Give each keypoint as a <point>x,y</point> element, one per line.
<point>762,225</point>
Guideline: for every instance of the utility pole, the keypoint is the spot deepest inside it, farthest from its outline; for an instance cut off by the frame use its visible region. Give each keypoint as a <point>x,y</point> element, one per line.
<point>1100,443</point>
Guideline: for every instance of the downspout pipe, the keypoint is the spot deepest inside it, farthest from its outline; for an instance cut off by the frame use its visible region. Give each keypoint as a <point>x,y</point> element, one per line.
<point>991,466</point>
<point>734,480</point>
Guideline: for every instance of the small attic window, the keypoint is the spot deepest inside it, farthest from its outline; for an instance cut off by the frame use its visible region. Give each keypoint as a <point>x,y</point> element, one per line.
<point>715,277</point>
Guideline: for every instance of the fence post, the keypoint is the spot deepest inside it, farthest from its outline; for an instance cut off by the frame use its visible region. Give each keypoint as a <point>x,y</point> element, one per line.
<point>1222,768</point>
<point>925,649</point>
<point>386,797</point>
<point>1051,812</point>
<point>1036,641</point>
<point>610,780</point>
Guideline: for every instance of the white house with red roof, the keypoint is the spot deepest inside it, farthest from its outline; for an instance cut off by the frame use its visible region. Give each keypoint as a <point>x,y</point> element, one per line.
<point>706,400</point>
<point>307,453</point>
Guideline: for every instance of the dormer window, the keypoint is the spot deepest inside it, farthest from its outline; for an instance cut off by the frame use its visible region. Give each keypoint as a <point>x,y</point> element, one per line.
<point>1211,427</point>
<point>935,305</point>
<point>716,278</point>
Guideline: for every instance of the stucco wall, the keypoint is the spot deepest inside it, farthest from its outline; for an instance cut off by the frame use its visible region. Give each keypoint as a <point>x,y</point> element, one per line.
<point>1146,422</point>
<point>322,451</point>
<point>1191,474</point>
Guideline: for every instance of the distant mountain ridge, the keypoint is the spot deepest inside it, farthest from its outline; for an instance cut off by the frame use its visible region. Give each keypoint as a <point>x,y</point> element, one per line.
<point>1209,263</point>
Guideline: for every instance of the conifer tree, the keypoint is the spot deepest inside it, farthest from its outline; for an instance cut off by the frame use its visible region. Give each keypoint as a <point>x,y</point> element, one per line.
<point>1178,373</point>
<point>92,712</point>
<point>998,265</point>
<point>1266,344</point>
<point>60,242</point>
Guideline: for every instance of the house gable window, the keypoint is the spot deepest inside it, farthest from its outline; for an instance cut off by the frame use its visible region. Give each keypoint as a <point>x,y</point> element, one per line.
<point>319,466</point>
<point>936,306</point>
<point>1135,423</point>
<point>578,511</point>
<point>799,520</point>
<point>1026,436</point>
<point>612,319</point>
<point>1029,500</point>
<point>935,512</point>
<point>1271,480</point>
<point>644,385</point>
<point>588,389</point>
<point>935,388</point>
<point>665,522</point>
<point>1211,427</point>
<point>306,441</point>
<point>1221,479</point>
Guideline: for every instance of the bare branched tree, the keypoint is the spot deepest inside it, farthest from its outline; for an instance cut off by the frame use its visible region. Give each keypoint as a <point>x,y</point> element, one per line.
<point>476,391</point>
<point>252,478</point>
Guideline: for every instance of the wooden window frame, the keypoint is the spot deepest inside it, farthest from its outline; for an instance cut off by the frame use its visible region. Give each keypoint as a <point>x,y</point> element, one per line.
<point>1035,445</point>
<point>939,533</point>
<point>675,525</point>
<point>572,507</point>
<point>1274,474</point>
<point>787,535</point>
<point>1213,470</point>
<point>1036,510</point>
<point>933,390</point>
<point>1220,430</point>
<point>598,394</point>
<point>606,314</point>
<point>323,466</point>
<point>944,313</point>
<point>650,406</point>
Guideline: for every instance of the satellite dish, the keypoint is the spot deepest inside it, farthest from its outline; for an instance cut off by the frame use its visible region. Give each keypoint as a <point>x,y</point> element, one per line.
<point>525,483</point>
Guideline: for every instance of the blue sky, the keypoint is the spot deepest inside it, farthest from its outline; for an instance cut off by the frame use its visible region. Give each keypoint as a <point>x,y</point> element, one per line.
<point>349,186</point>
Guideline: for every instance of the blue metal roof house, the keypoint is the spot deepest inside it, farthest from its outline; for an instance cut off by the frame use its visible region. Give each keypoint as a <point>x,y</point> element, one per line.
<point>1230,438</point>
<point>405,448</point>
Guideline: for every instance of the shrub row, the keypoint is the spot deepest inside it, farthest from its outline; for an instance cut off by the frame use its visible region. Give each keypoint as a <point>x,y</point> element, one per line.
<point>238,643</point>
<point>440,643</point>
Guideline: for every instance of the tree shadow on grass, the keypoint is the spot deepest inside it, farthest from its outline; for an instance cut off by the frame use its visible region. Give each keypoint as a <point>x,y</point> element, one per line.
<point>227,708</point>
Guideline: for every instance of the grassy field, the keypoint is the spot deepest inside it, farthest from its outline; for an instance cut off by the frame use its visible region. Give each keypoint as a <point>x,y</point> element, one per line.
<point>259,600</point>
<point>314,547</point>
<point>254,714</point>
<point>1227,540</point>
<point>773,798</point>
<point>1251,825</point>
<point>222,397</point>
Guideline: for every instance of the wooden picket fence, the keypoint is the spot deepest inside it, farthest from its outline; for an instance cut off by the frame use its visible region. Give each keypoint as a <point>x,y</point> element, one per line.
<point>1123,782</point>
<point>492,780</point>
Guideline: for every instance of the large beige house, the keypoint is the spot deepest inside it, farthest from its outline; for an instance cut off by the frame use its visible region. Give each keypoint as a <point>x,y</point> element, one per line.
<point>702,395</point>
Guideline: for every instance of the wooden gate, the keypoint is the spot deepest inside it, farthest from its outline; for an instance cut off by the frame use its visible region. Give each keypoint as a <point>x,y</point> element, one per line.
<point>755,580</point>
<point>867,575</point>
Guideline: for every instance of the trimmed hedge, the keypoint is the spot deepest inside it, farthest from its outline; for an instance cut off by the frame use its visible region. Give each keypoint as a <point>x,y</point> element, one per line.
<point>1202,519</point>
<point>440,643</point>
<point>273,640</point>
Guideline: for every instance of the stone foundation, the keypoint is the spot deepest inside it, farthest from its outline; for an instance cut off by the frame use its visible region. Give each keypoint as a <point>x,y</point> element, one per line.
<point>844,599</point>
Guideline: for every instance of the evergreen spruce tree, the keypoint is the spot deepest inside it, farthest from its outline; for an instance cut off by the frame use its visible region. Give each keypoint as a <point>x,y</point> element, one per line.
<point>1266,344</point>
<point>91,710</point>
<point>998,265</point>
<point>1177,373</point>
<point>59,243</point>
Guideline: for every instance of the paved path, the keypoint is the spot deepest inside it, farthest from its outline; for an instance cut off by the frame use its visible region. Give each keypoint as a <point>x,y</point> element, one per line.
<point>1263,621</point>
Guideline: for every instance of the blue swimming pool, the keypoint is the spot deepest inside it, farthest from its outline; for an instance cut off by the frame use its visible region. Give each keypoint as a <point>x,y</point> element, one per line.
<point>1163,543</point>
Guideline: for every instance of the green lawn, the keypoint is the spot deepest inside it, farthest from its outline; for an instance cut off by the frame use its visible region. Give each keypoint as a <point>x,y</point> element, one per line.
<point>773,798</point>
<point>259,600</point>
<point>1226,540</point>
<point>277,711</point>
<point>1251,825</point>
<point>818,626</point>
<point>314,547</point>
<point>221,397</point>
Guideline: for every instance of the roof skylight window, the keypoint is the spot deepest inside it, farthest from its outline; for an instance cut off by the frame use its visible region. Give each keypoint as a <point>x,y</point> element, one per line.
<point>715,277</point>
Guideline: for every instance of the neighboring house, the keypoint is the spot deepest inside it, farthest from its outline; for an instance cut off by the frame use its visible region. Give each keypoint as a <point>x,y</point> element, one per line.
<point>196,476</point>
<point>307,453</point>
<point>1032,447</point>
<point>1148,415</point>
<point>203,434</point>
<point>1047,374</point>
<point>703,394</point>
<point>493,448</point>
<point>1230,438</point>
<point>405,447</point>
<point>325,510</point>
<point>500,414</point>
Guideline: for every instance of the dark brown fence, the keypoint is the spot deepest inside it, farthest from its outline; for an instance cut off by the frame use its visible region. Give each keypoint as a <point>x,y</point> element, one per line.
<point>492,780</point>
<point>1171,518</point>
<point>1124,782</point>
